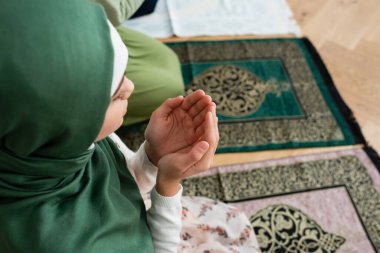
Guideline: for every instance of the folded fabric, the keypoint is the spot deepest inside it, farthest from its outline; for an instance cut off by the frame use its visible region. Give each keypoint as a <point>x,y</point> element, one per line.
<point>156,24</point>
<point>217,17</point>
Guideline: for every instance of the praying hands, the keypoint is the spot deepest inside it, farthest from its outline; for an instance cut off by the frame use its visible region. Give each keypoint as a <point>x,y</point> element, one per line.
<point>181,139</point>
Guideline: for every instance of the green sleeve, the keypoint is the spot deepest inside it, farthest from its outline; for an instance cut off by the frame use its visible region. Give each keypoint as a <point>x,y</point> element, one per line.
<point>119,10</point>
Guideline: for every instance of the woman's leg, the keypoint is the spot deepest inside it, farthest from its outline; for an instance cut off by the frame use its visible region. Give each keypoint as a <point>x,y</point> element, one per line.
<point>154,69</point>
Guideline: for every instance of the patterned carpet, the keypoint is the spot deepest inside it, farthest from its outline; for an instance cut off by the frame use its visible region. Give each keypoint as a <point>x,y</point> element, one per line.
<point>326,202</point>
<point>277,94</point>
<point>270,94</point>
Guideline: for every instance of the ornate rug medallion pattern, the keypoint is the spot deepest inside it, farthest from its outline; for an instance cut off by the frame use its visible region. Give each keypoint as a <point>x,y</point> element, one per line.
<point>338,192</point>
<point>282,227</point>
<point>236,91</point>
<point>270,94</point>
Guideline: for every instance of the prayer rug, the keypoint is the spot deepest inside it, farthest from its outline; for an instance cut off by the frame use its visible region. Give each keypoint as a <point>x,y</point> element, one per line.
<point>270,94</point>
<point>327,202</point>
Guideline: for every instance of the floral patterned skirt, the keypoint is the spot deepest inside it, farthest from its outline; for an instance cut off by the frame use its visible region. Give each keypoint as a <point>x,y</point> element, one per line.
<point>210,226</point>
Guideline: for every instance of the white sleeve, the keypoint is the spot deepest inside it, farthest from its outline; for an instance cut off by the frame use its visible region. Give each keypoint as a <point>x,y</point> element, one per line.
<point>142,170</point>
<point>165,213</point>
<point>164,220</point>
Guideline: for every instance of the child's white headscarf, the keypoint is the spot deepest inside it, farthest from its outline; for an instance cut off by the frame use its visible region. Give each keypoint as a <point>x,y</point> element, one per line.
<point>120,58</point>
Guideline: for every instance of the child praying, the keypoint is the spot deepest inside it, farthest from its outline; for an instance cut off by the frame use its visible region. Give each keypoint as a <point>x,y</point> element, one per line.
<point>67,182</point>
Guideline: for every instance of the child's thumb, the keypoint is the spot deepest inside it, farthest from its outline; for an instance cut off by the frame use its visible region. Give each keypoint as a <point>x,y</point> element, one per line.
<point>196,153</point>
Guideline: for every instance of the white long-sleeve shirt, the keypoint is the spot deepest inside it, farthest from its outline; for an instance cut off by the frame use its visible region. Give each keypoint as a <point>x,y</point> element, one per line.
<point>163,213</point>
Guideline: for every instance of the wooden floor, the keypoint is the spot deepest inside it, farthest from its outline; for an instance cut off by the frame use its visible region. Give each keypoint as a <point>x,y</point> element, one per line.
<point>347,35</point>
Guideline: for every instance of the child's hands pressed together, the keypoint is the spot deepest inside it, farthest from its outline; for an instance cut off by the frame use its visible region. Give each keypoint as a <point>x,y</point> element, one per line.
<point>181,139</point>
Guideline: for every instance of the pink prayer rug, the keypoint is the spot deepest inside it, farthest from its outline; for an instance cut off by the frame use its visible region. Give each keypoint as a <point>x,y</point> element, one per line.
<point>327,202</point>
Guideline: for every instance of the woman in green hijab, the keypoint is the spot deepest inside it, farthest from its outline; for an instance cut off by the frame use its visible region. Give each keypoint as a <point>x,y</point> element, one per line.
<point>64,181</point>
<point>153,67</point>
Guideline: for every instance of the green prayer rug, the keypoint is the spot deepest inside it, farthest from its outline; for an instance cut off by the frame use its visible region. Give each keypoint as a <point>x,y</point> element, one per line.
<point>327,202</point>
<point>270,94</point>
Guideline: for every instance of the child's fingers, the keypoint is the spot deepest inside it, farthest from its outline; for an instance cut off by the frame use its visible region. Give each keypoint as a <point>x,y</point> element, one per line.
<point>168,106</point>
<point>212,137</point>
<point>200,130</point>
<point>211,128</point>
<point>197,107</point>
<point>208,128</point>
<point>199,119</point>
<point>216,128</point>
<point>192,99</point>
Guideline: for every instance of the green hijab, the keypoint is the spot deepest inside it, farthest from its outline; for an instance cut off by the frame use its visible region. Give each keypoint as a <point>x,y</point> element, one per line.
<point>56,193</point>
